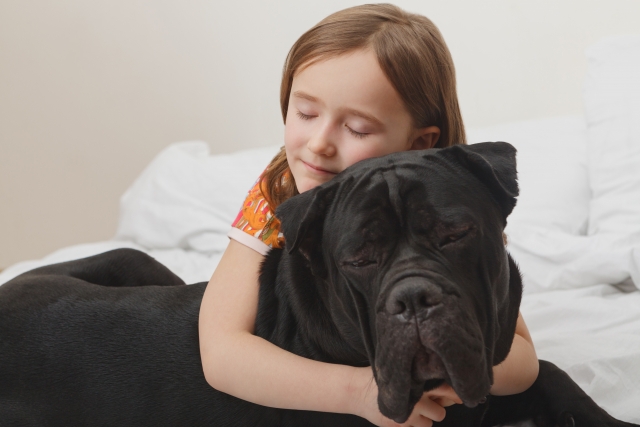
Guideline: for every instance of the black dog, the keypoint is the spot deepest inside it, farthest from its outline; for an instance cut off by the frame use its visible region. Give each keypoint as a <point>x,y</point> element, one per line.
<point>397,263</point>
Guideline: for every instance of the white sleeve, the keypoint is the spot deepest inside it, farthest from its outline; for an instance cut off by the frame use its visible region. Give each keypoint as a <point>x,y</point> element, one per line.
<point>248,240</point>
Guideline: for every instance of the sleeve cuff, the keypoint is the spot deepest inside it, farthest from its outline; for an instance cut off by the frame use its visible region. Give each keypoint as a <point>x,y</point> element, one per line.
<point>248,240</point>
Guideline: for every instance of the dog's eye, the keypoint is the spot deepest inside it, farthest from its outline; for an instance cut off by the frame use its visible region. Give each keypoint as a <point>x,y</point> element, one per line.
<point>360,263</point>
<point>454,237</point>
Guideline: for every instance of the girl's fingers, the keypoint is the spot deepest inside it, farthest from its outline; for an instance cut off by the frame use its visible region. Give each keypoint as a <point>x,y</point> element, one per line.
<point>424,413</point>
<point>444,402</point>
<point>417,422</point>
<point>444,392</point>
<point>429,408</point>
<point>423,422</point>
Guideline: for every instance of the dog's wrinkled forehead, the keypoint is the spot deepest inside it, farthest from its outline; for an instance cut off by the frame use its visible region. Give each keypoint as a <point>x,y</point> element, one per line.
<point>438,176</point>
<point>490,166</point>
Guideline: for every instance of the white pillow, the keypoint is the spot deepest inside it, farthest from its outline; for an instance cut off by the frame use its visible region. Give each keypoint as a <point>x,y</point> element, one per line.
<point>188,199</point>
<point>547,229</point>
<point>612,107</point>
<point>552,172</point>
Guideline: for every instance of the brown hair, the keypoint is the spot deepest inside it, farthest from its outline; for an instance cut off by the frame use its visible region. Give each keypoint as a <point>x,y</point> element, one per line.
<point>411,53</point>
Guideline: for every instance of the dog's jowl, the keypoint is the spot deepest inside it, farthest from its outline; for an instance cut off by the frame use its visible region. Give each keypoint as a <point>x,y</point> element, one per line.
<point>398,263</point>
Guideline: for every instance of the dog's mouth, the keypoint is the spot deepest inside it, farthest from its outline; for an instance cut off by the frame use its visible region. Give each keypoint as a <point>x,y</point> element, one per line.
<point>426,372</point>
<point>431,384</point>
<point>446,348</point>
<point>427,369</point>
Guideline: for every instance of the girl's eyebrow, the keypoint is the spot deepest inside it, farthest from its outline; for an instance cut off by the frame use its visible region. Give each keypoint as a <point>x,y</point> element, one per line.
<point>368,117</point>
<point>303,95</point>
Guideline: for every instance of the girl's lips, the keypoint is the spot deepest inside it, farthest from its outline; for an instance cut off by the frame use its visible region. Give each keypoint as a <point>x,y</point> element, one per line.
<point>317,169</point>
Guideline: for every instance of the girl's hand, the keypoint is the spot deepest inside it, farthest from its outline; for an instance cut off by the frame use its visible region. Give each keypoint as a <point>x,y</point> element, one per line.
<point>428,409</point>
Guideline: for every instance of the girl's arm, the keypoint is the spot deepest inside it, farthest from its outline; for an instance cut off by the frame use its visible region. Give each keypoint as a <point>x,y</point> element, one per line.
<point>246,366</point>
<point>520,369</point>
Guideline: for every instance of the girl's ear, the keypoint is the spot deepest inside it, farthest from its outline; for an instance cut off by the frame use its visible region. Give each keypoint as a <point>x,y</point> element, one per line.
<point>425,138</point>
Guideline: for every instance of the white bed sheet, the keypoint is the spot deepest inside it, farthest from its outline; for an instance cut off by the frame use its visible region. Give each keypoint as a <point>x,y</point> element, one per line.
<point>593,333</point>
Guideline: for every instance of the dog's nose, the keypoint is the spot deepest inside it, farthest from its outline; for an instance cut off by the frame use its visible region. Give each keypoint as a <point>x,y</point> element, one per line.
<point>412,296</point>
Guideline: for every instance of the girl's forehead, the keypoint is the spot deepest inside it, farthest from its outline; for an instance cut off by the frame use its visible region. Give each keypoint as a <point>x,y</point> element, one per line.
<point>359,66</point>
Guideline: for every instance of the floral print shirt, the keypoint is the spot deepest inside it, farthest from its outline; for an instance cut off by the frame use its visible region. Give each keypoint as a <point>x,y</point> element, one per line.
<point>256,225</point>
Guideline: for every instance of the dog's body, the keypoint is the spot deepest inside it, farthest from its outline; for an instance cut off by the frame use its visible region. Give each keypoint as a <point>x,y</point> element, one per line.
<point>397,263</point>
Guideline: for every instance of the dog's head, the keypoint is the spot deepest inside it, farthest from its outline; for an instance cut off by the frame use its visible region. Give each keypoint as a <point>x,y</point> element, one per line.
<point>410,249</point>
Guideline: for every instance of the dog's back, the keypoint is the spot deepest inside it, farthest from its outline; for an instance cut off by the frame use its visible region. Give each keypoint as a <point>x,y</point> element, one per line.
<point>79,335</point>
<point>88,342</point>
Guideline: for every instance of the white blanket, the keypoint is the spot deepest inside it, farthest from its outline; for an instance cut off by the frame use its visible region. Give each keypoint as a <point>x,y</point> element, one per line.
<point>593,333</point>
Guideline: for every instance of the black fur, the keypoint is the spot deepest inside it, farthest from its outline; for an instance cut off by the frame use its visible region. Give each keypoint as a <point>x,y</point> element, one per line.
<point>390,244</point>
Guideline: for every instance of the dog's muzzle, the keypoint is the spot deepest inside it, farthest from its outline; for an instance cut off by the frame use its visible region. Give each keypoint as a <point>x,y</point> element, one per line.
<point>426,337</point>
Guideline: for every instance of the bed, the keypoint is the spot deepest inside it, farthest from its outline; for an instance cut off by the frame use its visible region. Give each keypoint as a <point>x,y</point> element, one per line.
<point>575,231</point>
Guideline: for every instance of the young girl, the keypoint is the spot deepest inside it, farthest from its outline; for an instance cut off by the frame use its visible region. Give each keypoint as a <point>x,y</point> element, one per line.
<point>364,82</point>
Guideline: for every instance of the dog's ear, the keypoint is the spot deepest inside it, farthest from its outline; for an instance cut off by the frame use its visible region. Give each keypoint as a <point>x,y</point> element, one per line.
<point>302,219</point>
<point>493,163</point>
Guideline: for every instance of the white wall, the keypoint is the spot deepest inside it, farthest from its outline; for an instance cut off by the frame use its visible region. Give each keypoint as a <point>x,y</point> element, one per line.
<point>91,90</point>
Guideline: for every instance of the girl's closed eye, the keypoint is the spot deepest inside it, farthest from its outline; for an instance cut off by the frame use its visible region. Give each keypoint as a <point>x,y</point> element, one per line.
<point>356,133</point>
<point>304,116</point>
<point>353,132</point>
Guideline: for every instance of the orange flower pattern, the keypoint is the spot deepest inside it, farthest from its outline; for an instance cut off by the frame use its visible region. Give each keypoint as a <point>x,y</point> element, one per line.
<point>256,219</point>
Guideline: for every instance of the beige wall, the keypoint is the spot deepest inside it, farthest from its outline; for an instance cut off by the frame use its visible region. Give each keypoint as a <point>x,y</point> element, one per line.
<point>90,91</point>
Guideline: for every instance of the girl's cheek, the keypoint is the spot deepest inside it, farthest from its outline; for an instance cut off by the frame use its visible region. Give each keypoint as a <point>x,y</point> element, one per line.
<point>365,150</point>
<point>293,133</point>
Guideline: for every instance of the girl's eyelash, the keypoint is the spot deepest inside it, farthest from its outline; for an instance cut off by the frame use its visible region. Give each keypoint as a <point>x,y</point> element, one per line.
<point>351,131</point>
<point>356,134</point>
<point>303,116</point>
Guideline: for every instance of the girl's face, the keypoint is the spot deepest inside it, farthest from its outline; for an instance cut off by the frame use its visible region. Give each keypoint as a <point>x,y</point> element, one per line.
<point>343,110</point>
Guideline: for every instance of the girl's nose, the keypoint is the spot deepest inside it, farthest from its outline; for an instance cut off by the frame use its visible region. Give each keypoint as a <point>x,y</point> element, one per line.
<point>321,143</point>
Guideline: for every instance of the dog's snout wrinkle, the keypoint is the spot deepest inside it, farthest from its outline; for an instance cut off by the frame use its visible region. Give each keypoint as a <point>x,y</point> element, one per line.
<point>412,297</point>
